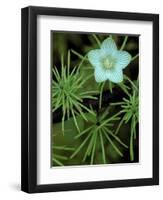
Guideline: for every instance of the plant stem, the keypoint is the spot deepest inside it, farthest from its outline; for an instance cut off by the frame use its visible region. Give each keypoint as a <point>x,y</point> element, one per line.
<point>77,54</point>
<point>82,144</point>
<point>119,126</point>
<point>124,43</point>
<point>94,148</point>
<point>57,162</point>
<point>133,58</point>
<point>102,147</point>
<point>113,145</point>
<point>97,40</point>
<point>101,91</point>
<point>131,142</point>
<point>122,86</point>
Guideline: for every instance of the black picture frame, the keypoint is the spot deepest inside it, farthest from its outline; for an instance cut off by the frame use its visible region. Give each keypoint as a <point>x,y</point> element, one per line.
<point>29,99</point>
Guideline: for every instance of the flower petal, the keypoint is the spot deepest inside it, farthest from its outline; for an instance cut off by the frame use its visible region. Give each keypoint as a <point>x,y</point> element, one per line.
<point>100,75</point>
<point>123,59</point>
<point>94,57</point>
<point>116,75</point>
<point>109,46</point>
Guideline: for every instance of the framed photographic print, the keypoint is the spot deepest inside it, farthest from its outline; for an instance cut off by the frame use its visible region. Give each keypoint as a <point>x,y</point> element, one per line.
<point>90,99</point>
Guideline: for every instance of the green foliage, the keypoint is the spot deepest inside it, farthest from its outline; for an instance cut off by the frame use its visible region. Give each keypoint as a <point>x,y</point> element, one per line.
<point>99,131</point>
<point>130,109</point>
<point>67,91</point>
<point>92,135</point>
<point>57,158</point>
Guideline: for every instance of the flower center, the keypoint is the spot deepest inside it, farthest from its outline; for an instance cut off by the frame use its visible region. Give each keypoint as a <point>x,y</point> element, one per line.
<point>108,62</point>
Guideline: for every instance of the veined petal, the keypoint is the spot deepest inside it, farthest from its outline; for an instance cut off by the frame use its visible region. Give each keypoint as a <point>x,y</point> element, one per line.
<point>123,58</point>
<point>100,75</point>
<point>116,75</point>
<point>94,57</point>
<point>109,46</point>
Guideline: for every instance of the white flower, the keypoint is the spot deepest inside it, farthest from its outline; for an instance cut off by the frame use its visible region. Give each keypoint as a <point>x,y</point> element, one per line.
<point>109,62</point>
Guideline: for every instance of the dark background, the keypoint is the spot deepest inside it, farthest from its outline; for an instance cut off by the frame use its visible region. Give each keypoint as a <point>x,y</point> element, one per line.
<point>61,42</point>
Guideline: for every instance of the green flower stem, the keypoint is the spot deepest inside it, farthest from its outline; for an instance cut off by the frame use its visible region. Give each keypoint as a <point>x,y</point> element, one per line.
<point>82,144</point>
<point>62,67</point>
<point>63,116</point>
<point>75,121</point>
<point>136,56</point>
<point>104,114</point>
<point>101,91</point>
<point>102,146</point>
<point>117,139</point>
<point>117,103</point>
<point>123,87</point>
<point>78,54</point>
<point>131,82</point>
<point>58,158</point>
<point>82,61</point>
<point>92,142</point>
<point>68,62</point>
<point>119,126</point>
<point>134,126</point>
<point>63,148</point>
<point>94,148</point>
<point>131,147</point>
<point>97,40</point>
<point>61,157</point>
<point>57,162</point>
<point>63,120</point>
<point>83,132</point>
<point>131,141</point>
<point>113,118</point>
<point>88,110</point>
<point>134,133</point>
<point>88,151</point>
<point>124,43</point>
<point>81,113</point>
<point>90,91</point>
<point>113,145</point>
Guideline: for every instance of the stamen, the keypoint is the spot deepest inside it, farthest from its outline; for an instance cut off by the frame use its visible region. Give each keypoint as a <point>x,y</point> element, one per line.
<point>108,63</point>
